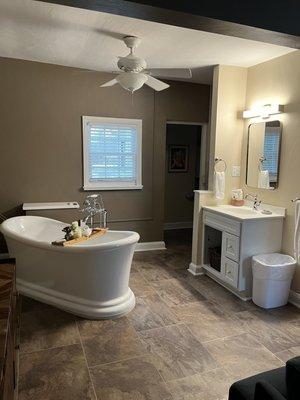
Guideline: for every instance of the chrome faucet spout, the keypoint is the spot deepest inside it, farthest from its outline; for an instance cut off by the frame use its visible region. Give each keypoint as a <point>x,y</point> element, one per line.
<point>256,201</point>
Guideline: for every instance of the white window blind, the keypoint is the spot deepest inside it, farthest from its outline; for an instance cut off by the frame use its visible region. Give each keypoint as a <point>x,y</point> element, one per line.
<point>112,153</point>
<point>271,152</point>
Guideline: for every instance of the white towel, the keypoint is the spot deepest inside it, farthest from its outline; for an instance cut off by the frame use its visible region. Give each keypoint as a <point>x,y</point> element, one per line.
<point>297,232</point>
<point>219,185</point>
<point>263,180</point>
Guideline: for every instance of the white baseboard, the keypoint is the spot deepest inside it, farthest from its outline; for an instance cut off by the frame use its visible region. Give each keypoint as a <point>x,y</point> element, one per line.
<point>169,226</point>
<point>195,269</point>
<point>147,246</point>
<point>294,298</point>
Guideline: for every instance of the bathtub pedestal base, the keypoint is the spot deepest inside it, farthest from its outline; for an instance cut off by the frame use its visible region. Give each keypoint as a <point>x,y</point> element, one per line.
<point>84,308</point>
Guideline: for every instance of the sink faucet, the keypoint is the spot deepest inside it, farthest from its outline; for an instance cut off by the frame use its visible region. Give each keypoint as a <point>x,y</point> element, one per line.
<point>254,198</point>
<point>92,206</point>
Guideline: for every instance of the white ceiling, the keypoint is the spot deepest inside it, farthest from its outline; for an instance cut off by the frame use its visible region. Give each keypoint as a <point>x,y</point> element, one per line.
<point>74,37</point>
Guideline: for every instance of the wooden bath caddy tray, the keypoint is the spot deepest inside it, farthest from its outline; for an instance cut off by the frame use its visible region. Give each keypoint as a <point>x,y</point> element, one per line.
<point>95,233</point>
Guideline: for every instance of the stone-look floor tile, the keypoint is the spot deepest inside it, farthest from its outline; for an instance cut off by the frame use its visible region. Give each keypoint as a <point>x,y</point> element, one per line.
<point>28,304</point>
<point>130,356</point>
<point>156,272</point>
<point>272,337</point>
<point>211,385</point>
<point>139,285</point>
<point>134,266</point>
<point>196,310</point>
<point>46,328</point>
<point>292,329</point>
<point>134,379</point>
<point>55,374</point>
<point>242,355</point>
<point>177,353</point>
<point>265,316</point>
<point>151,312</point>
<point>199,283</point>
<point>206,321</point>
<point>147,256</point>
<point>285,355</point>
<point>210,328</point>
<point>250,306</point>
<point>106,341</point>
<point>181,274</point>
<point>179,259</point>
<point>227,301</point>
<point>217,294</point>
<point>286,313</point>
<point>175,292</point>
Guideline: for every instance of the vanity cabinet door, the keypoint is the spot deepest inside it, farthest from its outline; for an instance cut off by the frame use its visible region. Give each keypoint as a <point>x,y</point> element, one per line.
<point>231,246</point>
<point>230,271</point>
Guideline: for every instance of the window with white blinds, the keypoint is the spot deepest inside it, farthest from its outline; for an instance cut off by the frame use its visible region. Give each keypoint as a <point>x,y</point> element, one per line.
<point>112,153</point>
<point>271,152</point>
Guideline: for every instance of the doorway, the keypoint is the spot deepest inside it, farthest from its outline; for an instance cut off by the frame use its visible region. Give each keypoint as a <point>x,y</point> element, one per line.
<point>186,160</point>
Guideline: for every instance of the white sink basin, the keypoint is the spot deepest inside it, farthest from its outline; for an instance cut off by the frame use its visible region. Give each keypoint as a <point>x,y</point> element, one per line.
<point>246,212</point>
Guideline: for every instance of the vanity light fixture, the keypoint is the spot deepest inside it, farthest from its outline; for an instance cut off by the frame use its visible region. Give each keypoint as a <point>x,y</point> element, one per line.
<point>263,111</point>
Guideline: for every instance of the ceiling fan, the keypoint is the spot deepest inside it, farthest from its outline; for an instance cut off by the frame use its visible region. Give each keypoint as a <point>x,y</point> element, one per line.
<point>134,72</point>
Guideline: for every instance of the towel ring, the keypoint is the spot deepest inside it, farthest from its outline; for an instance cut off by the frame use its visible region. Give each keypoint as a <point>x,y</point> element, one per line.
<point>217,160</point>
<point>260,162</point>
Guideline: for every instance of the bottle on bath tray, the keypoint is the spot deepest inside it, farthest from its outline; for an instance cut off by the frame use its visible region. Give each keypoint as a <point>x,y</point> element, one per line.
<point>237,197</point>
<point>73,231</point>
<point>76,230</point>
<point>86,230</point>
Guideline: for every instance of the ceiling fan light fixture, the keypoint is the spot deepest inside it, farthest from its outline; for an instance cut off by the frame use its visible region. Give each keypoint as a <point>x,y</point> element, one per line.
<point>135,72</point>
<point>132,81</point>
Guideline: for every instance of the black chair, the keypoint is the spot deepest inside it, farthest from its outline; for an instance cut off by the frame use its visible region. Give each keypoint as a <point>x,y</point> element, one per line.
<point>277,384</point>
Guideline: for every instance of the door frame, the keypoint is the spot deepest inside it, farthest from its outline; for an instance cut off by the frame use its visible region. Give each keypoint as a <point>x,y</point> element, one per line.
<point>204,151</point>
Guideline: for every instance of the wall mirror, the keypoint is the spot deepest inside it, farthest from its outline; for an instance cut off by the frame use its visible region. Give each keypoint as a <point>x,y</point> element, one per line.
<point>263,155</point>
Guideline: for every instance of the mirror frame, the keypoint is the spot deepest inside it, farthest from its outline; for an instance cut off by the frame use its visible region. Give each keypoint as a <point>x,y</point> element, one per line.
<point>279,154</point>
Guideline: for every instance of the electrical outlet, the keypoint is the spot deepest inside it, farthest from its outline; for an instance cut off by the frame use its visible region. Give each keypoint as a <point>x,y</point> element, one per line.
<point>236,171</point>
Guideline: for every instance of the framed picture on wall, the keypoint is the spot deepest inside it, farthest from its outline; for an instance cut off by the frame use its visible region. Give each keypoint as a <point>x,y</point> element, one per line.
<point>178,158</point>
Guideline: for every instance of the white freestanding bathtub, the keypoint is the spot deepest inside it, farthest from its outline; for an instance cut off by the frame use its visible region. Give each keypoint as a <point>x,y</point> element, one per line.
<point>89,279</point>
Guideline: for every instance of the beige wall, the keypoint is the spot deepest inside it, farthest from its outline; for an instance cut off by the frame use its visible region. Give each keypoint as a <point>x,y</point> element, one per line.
<point>41,143</point>
<point>228,99</point>
<point>226,141</point>
<point>178,184</point>
<point>278,81</point>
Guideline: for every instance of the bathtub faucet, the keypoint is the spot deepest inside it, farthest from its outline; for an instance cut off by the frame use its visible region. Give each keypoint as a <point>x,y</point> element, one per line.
<point>96,215</point>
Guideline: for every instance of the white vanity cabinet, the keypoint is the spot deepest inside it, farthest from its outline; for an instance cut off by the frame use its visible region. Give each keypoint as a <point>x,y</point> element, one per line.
<point>230,241</point>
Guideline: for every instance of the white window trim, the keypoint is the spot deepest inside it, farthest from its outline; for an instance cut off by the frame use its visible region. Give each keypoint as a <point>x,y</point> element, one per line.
<point>87,185</point>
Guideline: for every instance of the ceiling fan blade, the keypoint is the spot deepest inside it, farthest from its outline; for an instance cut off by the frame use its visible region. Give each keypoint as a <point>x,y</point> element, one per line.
<point>156,84</point>
<point>109,83</point>
<point>175,73</point>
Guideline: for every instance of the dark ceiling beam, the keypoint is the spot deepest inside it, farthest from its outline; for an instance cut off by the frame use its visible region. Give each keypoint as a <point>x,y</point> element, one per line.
<point>185,20</point>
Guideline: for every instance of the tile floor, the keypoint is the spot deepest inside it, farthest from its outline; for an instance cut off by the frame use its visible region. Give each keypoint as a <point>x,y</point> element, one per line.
<point>187,339</point>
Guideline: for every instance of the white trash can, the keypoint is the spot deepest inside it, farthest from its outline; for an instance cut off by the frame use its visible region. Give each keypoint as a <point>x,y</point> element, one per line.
<point>272,277</point>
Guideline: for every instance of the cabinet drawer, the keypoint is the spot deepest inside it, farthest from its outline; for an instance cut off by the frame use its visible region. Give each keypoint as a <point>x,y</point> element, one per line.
<point>230,271</point>
<point>231,246</point>
<point>217,221</point>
